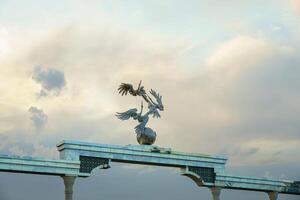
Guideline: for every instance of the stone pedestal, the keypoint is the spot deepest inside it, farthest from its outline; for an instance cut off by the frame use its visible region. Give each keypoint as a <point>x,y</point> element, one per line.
<point>215,191</point>
<point>69,182</point>
<point>273,195</point>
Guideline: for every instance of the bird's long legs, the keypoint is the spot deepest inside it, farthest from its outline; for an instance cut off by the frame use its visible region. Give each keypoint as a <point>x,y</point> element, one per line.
<point>141,108</point>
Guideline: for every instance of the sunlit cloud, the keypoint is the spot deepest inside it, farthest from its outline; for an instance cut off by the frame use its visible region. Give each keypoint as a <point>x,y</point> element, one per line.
<point>228,73</point>
<point>295,5</point>
<point>238,81</point>
<point>5,45</point>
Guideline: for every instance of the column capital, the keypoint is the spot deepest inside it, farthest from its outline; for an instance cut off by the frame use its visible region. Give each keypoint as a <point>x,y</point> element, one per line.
<point>69,182</point>
<point>273,195</point>
<point>69,179</point>
<point>216,192</point>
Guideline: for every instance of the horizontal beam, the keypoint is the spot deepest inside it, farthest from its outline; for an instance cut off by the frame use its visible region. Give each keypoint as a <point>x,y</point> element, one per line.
<point>140,154</point>
<point>257,184</point>
<point>80,158</point>
<point>33,165</point>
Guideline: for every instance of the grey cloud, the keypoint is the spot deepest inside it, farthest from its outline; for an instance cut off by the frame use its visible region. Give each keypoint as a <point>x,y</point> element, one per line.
<point>38,117</point>
<point>51,80</point>
<point>242,152</point>
<point>124,183</point>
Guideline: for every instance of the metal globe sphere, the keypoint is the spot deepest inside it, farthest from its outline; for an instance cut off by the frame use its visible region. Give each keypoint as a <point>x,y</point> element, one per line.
<point>146,138</point>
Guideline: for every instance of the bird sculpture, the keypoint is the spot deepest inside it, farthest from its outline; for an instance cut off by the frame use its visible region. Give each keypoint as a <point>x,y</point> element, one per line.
<point>145,135</point>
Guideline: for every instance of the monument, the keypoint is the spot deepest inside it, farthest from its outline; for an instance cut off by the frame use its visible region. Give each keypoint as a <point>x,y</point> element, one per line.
<point>80,159</point>
<point>145,135</point>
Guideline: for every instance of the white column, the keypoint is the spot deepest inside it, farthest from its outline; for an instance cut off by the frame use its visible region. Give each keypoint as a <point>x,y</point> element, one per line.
<point>69,182</point>
<point>273,195</point>
<point>215,191</point>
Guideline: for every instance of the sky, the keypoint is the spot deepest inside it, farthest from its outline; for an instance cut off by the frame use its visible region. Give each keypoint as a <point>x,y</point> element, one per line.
<point>228,71</point>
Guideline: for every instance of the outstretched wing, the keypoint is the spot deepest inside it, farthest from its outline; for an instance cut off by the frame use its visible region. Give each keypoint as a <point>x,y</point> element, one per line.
<point>124,88</point>
<point>126,115</point>
<point>155,114</point>
<point>158,99</point>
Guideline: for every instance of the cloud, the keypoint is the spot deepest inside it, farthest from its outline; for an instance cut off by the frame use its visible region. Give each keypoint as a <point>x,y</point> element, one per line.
<point>215,108</point>
<point>216,102</point>
<point>239,97</point>
<point>38,117</point>
<point>238,51</point>
<point>236,92</point>
<point>295,5</point>
<point>247,93</point>
<point>51,80</point>
<point>234,58</point>
<point>268,174</point>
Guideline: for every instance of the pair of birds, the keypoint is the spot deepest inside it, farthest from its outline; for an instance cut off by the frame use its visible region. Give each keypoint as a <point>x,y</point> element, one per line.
<point>126,88</point>
<point>145,135</point>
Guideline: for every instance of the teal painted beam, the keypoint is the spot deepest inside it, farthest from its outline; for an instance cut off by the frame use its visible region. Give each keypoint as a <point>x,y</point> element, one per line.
<point>81,158</point>
<point>140,154</point>
<point>257,184</point>
<point>198,167</point>
<point>33,165</point>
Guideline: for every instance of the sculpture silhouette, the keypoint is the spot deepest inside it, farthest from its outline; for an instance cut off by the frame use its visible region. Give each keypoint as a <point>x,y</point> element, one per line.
<point>145,135</point>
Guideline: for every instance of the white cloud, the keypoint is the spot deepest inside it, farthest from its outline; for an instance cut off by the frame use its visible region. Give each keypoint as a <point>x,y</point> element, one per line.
<point>237,55</point>
<point>238,51</point>
<point>295,5</point>
<point>203,107</point>
<point>5,43</point>
<point>242,100</point>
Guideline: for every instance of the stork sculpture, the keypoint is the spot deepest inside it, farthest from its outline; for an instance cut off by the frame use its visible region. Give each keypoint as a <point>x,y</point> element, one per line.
<point>145,135</point>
